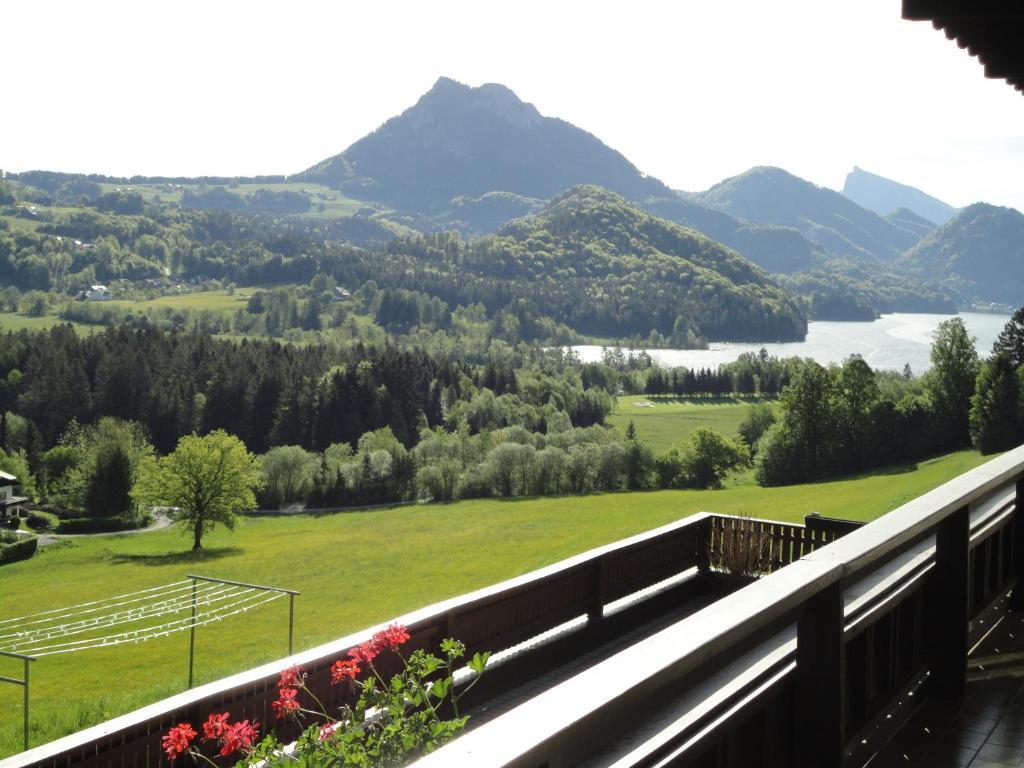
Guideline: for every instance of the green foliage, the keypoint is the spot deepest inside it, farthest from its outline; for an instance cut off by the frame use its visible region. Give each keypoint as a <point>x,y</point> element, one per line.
<point>206,480</point>
<point>702,461</point>
<point>758,419</point>
<point>994,416</point>
<point>22,549</point>
<point>950,382</point>
<point>976,253</point>
<point>289,472</point>
<point>1011,339</point>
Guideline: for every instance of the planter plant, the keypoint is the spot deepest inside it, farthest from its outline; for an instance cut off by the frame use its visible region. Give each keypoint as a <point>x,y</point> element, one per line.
<point>392,722</point>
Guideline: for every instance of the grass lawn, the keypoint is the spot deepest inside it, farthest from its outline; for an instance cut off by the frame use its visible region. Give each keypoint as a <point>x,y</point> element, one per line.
<point>14,321</point>
<point>354,569</point>
<point>666,421</point>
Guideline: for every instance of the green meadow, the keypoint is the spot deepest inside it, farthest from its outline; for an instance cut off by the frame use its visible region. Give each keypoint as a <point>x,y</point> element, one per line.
<point>355,569</point>
<point>663,422</point>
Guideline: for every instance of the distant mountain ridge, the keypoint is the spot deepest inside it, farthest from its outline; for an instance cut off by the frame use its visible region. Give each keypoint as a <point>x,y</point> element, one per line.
<point>770,195</point>
<point>882,195</point>
<point>462,141</point>
<point>979,252</point>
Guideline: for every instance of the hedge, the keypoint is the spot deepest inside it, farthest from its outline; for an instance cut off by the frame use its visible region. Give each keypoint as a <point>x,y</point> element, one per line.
<point>19,550</point>
<point>101,524</point>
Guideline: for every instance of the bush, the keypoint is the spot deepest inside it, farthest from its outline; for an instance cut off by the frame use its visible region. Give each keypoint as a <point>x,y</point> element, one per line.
<point>22,549</point>
<point>102,524</point>
<point>38,522</point>
<point>14,522</point>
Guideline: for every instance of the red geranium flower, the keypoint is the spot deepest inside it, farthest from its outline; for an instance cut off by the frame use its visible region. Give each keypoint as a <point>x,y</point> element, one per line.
<point>240,736</point>
<point>293,677</point>
<point>344,670</point>
<point>286,704</point>
<point>327,730</point>
<point>215,726</point>
<point>364,653</point>
<point>391,637</point>
<point>177,740</point>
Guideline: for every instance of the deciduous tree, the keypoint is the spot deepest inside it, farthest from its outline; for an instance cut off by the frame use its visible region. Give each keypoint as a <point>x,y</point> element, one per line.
<point>207,480</point>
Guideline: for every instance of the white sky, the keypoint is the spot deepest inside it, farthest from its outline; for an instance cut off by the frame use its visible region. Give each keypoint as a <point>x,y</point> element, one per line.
<point>691,91</point>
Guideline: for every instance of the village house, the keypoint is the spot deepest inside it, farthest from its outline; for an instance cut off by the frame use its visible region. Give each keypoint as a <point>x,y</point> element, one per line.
<point>98,293</point>
<point>10,505</point>
<point>341,294</point>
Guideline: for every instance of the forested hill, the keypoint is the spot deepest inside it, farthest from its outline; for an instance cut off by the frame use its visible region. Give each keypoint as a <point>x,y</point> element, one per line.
<point>774,196</point>
<point>882,195</point>
<point>980,252</point>
<point>458,141</point>
<point>633,268</point>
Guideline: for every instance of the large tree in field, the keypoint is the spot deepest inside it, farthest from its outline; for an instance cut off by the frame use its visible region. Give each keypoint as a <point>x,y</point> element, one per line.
<point>208,479</point>
<point>950,382</point>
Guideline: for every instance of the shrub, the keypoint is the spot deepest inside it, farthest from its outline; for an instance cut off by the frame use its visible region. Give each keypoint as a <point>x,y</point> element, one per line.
<point>743,549</point>
<point>38,522</point>
<point>22,549</point>
<point>102,524</point>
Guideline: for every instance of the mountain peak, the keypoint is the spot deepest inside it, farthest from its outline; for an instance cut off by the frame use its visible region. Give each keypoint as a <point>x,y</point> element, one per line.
<point>882,195</point>
<point>463,141</point>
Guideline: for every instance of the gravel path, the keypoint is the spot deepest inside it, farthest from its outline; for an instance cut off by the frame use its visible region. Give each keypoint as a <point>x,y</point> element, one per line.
<point>160,522</point>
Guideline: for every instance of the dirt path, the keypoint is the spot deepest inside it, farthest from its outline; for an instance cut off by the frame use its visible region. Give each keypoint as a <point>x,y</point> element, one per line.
<point>160,522</point>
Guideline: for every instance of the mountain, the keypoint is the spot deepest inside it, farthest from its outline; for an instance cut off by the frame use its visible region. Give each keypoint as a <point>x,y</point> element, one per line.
<point>907,219</point>
<point>767,195</point>
<point>980,252</point>
<point>458,141</point>
<point>882,195</point>
<point>775,249</point>
<point>603,266</point>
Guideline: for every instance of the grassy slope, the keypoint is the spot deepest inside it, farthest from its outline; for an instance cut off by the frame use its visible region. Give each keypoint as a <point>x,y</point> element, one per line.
<point>354,570</point>
<point>13,321</point>
<point>671,420</point>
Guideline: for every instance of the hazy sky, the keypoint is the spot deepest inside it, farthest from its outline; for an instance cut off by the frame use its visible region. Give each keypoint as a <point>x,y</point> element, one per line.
<point>690,91</point>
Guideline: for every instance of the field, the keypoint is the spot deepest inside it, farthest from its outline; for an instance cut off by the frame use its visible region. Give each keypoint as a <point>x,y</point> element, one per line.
<point>335,204</point>
<point>666,421</point>
<point>200,300</point>
<point>355,569</point>
<point>13,321</point>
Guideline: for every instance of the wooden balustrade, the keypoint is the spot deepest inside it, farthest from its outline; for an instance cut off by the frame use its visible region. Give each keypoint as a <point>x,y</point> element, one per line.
<point>491,619</point>
<point>808,666</point>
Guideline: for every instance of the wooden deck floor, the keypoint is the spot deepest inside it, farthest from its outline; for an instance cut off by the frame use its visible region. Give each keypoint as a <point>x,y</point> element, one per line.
<point>986,729</point>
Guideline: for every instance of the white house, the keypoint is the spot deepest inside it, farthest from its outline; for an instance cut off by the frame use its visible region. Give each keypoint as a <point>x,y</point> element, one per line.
<point>10,504</point>
<point>341,294</point>
<point>98,293</point>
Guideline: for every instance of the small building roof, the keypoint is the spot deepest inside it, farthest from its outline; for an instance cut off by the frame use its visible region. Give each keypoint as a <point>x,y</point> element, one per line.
<point>7,478</point>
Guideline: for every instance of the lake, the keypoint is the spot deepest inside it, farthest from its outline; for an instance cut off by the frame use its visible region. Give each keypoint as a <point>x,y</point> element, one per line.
<point>889,342</point>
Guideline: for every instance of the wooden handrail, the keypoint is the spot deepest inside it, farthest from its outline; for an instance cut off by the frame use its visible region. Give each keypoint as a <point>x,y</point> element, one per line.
<point>567,722</point>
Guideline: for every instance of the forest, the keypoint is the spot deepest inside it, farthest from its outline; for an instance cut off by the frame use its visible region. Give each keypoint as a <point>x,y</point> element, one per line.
<point>342,426</point>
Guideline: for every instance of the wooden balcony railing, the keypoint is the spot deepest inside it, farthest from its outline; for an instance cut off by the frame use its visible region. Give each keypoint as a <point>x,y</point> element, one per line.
<point>805,667</point>
<point>495,618</point>
<point>873,613</point>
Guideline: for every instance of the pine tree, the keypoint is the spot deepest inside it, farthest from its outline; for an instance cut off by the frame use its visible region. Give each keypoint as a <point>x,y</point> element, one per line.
<point>994,419</point>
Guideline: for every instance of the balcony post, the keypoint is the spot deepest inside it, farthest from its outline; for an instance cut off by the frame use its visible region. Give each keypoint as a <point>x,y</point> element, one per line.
<point>820,680</point>
<point>949,599</point>
<point>1017,599</point>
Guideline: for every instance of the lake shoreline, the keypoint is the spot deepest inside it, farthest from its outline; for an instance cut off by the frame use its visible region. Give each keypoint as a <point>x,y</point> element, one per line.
<point>889,342</point>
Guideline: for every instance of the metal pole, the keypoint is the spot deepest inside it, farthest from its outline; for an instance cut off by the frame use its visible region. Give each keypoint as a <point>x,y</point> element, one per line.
<point>24,685</point>
<point>25,705</point>
<point>291,621</point>
<point>192,636</point>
